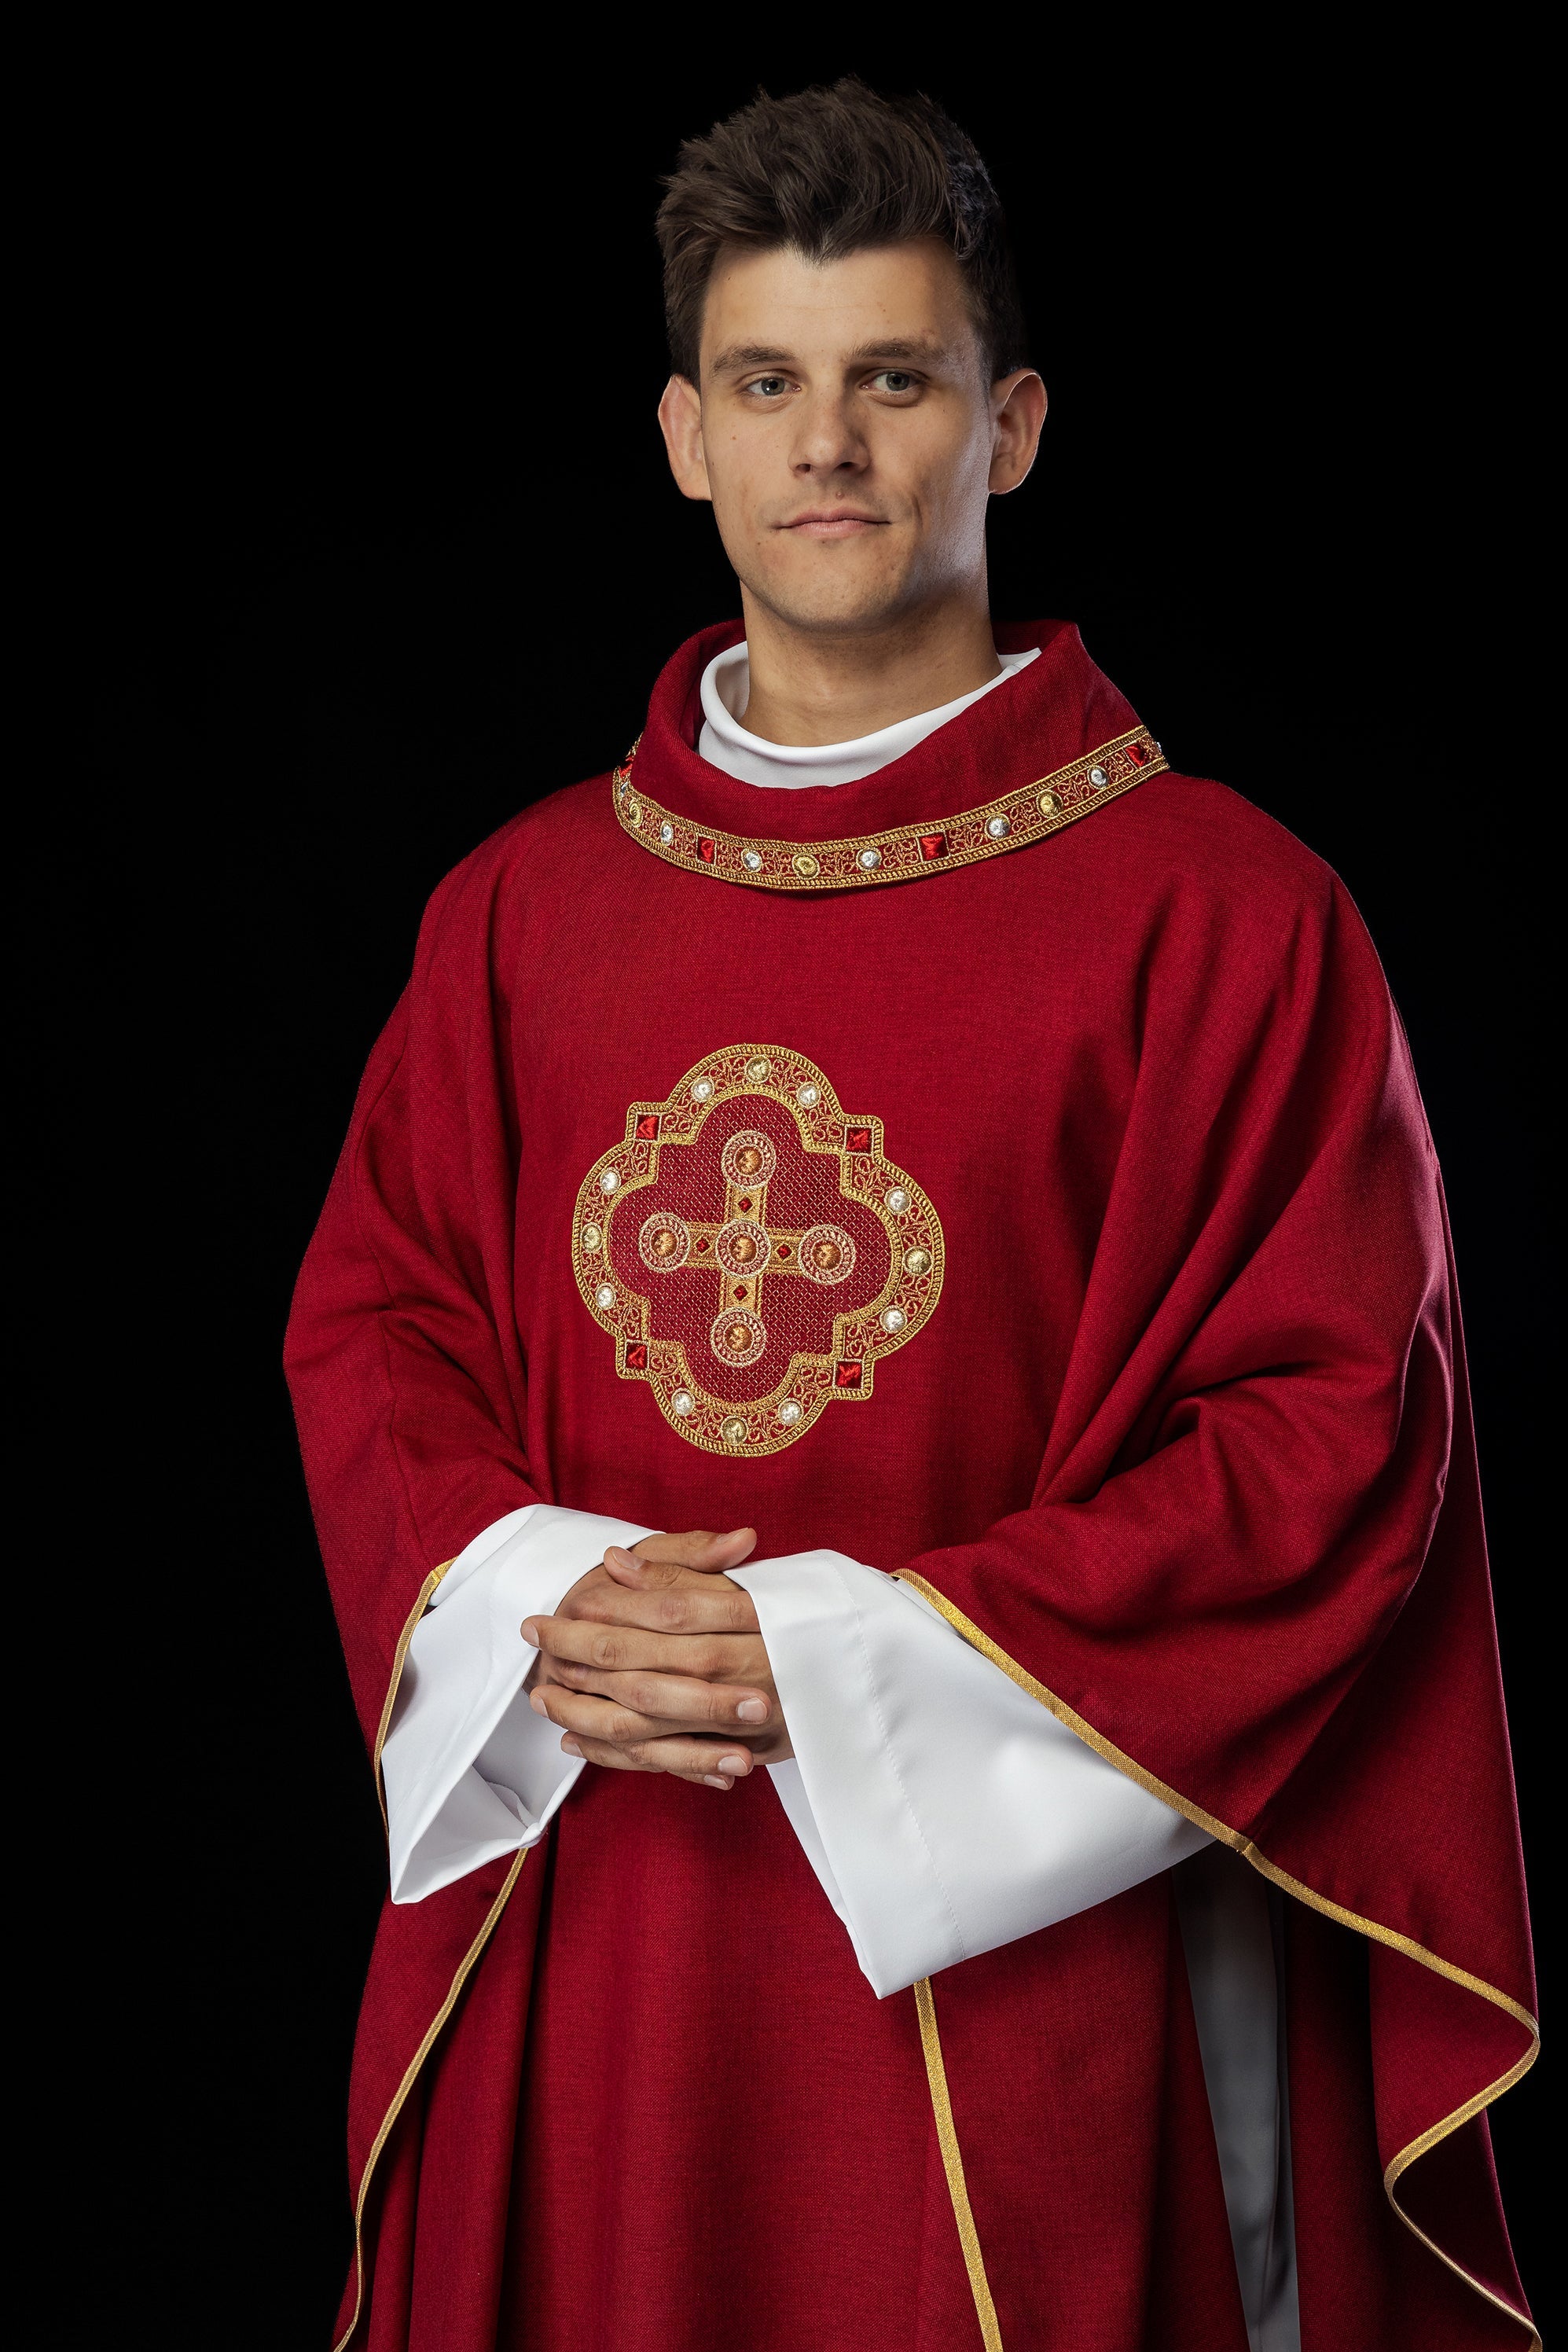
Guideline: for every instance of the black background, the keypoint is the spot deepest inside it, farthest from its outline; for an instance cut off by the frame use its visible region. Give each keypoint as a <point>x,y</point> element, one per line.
<point>369,539</point>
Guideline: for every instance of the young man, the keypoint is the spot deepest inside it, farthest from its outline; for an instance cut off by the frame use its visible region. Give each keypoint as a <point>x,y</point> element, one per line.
<point>894,1120</point>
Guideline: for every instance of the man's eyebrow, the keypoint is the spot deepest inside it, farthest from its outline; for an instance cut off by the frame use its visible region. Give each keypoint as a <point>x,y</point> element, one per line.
<point>741,356</point>
<point>903,347</point>
<point>748,355</point>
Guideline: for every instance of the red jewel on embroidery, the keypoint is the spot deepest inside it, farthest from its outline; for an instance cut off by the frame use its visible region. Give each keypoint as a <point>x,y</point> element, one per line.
<point>702,1249</point>
<point>857,1138</point>
<point>933,844</point>
<point>637,1357</point>
<point>745,1205</point>
<point>846,1376</point>
<point>705,851</point>
<point>783,1250</point>
<point>1136,753</point>
<point>648,1126</point>
<point>738,1293</point>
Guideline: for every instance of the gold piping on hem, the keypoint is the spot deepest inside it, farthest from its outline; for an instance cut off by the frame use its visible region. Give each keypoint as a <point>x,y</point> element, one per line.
<point>953,2165</point>
<point>1485,2292</point>
<point>410,2076</point>
<point>1243,1845</point>
<point>398,1656</point>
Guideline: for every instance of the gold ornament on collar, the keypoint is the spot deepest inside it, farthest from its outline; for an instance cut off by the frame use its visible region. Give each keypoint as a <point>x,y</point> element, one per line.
<point>903,853</point>
<point>752,1250</point>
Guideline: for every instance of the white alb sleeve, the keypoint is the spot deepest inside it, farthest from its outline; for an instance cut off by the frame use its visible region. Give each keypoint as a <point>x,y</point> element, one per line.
<point>944,1811</point>
<point>470,1770</point>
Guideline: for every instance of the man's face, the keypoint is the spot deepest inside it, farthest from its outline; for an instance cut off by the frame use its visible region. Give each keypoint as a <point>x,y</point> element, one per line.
<point>846,433</point>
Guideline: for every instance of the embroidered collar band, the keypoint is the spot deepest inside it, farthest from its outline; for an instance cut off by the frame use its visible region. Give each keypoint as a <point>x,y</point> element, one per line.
<point>1008,770</point>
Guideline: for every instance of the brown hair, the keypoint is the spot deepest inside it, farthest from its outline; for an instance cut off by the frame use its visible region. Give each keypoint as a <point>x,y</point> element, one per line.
<point>829,173</point>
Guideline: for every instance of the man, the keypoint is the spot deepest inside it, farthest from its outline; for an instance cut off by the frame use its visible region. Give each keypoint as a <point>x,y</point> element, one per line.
<point>895,1122</point>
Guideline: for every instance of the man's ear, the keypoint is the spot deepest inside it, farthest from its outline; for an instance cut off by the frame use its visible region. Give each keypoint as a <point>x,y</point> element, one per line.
<point>681,423</point>
<point>1019,407</point>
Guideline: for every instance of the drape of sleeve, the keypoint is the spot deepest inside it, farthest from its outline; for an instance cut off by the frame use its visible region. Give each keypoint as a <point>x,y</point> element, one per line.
<point>1253,1574</point>
<point>470,1771</point>
<point>402,1356</point>
<point>943,1811</point>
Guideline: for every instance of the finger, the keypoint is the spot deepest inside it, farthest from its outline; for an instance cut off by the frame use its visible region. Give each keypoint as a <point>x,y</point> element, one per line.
<point>671,1699</point>
<point>694,1605</point>
<point>587,1715</point>
<point>624,1649</point>
<point>707,1760</point>
<point>700,1548</point>
<point>705,1553</point>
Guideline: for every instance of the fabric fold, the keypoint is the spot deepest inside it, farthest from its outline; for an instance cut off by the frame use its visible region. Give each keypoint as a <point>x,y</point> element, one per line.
<point>945,1813</point>
<point>471,1772</point>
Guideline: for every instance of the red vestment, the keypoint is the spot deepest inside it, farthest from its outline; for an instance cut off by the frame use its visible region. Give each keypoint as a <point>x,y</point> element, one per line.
<point>1175,1426</point>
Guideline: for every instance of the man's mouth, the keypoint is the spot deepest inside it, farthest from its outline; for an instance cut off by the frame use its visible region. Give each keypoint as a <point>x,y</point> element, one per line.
<point>834,522</point>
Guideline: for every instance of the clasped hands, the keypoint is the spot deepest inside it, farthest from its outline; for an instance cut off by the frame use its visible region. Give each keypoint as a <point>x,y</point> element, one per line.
<point>654,1663</point>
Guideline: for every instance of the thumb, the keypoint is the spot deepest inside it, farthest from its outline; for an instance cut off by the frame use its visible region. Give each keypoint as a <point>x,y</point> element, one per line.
<point>715,1553</point>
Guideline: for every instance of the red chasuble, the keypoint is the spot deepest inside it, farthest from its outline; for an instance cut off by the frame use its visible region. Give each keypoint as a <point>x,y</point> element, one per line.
<point>1099,1284</point>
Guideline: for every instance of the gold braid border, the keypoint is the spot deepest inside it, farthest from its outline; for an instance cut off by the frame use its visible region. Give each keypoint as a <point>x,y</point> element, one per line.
<point>465,1967</point>
<point>1243,1845</point>
<point>953,2165</point>
<point>903,853</point>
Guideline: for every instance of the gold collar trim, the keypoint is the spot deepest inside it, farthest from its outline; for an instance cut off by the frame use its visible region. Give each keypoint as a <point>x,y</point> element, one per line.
<point>902,853</point>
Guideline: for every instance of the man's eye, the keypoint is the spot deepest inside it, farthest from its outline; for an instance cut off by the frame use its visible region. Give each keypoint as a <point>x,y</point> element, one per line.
<point>891,380</point>
<point>770,386</point>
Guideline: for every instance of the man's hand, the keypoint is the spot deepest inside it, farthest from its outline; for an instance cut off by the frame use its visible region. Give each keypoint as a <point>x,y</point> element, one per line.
<point>654,1657</point>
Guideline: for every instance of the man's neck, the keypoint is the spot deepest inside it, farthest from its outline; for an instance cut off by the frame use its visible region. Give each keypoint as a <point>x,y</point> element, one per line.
<point>814,687</point>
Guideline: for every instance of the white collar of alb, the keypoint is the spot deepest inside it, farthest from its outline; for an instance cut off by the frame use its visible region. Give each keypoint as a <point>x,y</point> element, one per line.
<point>725,744</point>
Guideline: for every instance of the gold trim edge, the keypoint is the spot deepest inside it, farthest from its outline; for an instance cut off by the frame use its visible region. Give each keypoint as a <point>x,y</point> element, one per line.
<point>1028,815</point>
<point>464,1966</point>
<point>953,2165</point>
<point>1240,1843</point>
<point>411,2076</point>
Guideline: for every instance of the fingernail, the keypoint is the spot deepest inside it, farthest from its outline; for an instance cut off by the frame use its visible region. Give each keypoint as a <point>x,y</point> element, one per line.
<point>537,1701</point>
<point>622,1558</point>
<point>530,1632</point>
<point>735,1764</point>
<point>713,1780</point>
<point>752,1710</point>
<point>569,1746</point>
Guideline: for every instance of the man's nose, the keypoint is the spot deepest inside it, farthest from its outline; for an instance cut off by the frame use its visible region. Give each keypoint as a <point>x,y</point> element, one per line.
<point>826,438</point>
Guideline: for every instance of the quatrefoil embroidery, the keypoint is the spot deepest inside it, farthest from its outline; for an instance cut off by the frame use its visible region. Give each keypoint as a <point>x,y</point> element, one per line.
<point>752,1250</point>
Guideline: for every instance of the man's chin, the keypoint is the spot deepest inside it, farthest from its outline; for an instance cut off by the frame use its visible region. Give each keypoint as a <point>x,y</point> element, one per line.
<point>833,607</point>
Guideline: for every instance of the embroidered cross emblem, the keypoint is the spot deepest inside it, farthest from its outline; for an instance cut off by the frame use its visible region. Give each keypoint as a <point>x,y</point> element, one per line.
<point>771,1256</point>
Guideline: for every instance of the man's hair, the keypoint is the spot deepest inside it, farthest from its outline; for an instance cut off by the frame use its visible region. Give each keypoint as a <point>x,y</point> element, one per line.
<point>830,173</point>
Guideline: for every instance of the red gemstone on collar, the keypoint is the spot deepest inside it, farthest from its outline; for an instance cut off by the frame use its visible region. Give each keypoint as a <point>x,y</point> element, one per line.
<point>933,844</point>
<point>705,852</point>
<point>857,1138</point>
<point>1136,753</point>
<point>846,1376</point>
<point>648,1128</point>
<point>637,1357</point>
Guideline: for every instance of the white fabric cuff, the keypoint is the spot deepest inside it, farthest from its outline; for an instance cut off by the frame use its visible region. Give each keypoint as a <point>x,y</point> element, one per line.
<point>944,1809</point>
<point>470,1770</point>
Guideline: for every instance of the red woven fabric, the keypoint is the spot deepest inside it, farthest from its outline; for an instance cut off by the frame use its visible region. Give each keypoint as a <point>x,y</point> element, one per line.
<point>1186,1437</point>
